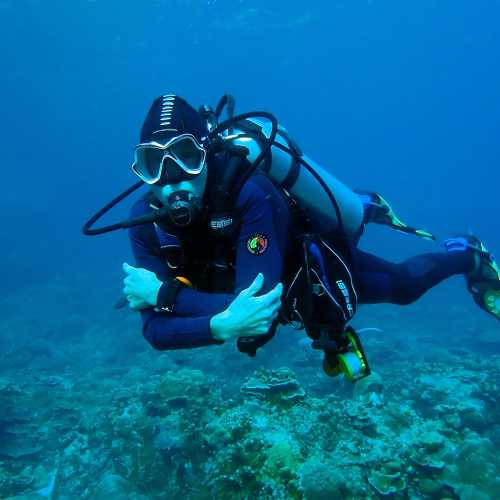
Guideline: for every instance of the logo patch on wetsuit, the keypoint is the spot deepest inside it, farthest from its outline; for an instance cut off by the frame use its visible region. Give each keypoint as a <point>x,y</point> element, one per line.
<point>257,244</point>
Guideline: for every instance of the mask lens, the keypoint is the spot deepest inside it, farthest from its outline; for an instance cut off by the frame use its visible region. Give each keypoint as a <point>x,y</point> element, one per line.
<point>148,161</point>
<point>189,154</point>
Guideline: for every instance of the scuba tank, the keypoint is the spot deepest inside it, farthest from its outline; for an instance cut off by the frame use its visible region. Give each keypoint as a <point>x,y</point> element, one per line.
<point>297,174</point>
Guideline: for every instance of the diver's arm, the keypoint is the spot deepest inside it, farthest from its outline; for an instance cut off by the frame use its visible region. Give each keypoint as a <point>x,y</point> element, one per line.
<point>264,232</point>
<point>248,315</point>
<point>168,332</point>
<point>261,247</point>
<point>265,215</point>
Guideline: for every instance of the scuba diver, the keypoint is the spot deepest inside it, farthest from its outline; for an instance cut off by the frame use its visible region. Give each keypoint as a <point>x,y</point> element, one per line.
<point>240,231</point>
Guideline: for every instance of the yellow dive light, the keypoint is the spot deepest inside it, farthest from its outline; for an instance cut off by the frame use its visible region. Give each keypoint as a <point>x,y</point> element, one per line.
<point>351,362</point>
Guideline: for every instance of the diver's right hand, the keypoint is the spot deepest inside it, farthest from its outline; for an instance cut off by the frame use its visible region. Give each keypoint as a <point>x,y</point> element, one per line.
<point>247,314</point>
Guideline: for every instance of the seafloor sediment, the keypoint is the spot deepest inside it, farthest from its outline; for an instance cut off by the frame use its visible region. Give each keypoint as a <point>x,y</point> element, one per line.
<point>89,411</point>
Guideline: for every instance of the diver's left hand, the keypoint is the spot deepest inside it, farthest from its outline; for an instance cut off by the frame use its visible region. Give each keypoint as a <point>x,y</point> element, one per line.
<point>141,287</point>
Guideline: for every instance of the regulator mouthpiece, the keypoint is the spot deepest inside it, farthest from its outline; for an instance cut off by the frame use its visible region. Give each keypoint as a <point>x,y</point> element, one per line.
<point>183,208</point>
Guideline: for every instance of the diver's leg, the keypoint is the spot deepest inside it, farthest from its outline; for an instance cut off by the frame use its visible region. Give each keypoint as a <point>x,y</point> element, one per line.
<point>380,281</point>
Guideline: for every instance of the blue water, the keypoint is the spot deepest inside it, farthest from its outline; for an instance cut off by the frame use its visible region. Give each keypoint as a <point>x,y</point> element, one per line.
<point>397,97</point>
<point>402,98</point>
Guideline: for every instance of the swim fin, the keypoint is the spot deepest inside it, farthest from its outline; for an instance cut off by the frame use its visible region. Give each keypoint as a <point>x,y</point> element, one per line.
<point>483,282</point>
<point>378,210</point>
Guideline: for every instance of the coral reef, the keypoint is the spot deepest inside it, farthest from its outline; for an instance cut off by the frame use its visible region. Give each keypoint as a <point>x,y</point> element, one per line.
<point>278,386</point>
<point>138,424</point>
<point>179,429</point>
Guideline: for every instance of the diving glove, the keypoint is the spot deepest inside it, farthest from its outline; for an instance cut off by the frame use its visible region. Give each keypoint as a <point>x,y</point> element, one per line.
<point>379,211</point>
<point>483,282</point>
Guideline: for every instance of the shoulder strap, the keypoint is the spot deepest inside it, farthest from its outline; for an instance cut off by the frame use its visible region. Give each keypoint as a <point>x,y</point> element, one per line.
<point>230,168</point>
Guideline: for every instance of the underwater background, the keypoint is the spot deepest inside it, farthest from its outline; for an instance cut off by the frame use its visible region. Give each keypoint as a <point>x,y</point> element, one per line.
<point>401,98</point>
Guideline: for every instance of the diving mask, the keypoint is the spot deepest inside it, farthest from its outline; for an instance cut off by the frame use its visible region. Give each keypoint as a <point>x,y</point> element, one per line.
<point>180,159</point>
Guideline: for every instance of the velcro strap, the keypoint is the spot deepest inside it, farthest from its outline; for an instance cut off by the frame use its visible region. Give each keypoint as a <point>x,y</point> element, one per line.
<point>167,294</point>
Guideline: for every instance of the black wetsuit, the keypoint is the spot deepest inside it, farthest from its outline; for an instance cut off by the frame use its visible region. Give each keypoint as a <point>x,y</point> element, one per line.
<point>261,244</point>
